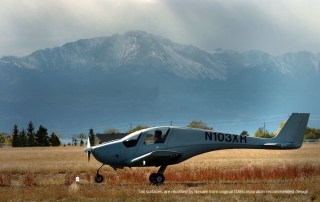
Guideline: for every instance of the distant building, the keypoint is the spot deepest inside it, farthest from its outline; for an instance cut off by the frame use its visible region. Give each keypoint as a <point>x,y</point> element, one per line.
<point>100,138</point>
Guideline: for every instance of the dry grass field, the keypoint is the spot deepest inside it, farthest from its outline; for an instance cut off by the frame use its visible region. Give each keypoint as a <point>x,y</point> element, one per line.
<point>48,174</point>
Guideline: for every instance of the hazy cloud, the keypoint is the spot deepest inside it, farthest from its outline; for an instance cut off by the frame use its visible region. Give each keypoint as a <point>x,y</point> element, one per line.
<point>272,26</point>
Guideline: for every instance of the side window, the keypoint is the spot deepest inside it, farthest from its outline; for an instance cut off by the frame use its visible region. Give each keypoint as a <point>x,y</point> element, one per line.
<point>156,135</point>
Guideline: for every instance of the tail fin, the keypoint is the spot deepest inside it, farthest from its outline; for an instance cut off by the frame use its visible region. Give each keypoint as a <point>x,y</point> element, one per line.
<point>292,133</point>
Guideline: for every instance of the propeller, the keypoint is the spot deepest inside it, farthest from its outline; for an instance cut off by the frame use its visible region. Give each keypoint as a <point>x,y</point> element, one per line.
<point>88,149</point>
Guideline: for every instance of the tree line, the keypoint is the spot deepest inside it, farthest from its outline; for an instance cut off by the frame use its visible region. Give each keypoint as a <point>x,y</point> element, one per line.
<point>40,138</point>
<point>83,136</point>
<point>311,133</point>
<point>31,138</point>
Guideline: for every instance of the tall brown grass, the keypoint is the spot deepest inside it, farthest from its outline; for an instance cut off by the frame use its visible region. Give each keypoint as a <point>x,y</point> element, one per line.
<point>196,173</point>
<point>5,179</point>
<point>69,178</point>
<point>28,179</point>
<point>49,174</point>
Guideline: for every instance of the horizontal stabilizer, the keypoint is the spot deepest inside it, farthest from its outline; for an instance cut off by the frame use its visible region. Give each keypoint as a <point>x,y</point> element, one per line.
<point>273,145</point>
<point>278,145</point>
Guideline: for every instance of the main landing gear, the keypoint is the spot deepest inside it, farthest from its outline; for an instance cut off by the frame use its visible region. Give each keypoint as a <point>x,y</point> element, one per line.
<point>158,178</point>
<point>154,178</point>
<point>99,178</point>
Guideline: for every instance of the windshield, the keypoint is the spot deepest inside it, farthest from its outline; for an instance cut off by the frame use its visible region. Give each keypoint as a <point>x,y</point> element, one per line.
<point>133,136</point>
<point>132,139</point>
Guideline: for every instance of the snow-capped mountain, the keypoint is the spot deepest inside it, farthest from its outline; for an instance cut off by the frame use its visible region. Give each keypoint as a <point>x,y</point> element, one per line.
<point>138,76</point>
<point>290,63</point>
<point>137,48</point>
<point>134,48</point>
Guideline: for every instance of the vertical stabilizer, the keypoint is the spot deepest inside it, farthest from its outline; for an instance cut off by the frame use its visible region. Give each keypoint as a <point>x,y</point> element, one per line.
<point>293,131</point>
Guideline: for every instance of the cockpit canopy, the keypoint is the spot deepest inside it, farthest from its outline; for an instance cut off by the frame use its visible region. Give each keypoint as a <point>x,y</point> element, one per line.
<point>153,136</point>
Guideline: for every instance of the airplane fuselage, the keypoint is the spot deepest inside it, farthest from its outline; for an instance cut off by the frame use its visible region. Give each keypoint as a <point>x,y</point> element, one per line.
<point>163,146</point>
<point>187,141</point>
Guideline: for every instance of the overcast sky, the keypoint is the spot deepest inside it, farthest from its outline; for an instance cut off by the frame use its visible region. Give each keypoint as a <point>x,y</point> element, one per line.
<point>272,26</point>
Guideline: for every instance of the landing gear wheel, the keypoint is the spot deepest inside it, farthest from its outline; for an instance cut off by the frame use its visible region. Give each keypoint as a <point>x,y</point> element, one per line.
<point>152,178</point>
<point>156,178</point>
<point>99,178</point>
<point>159,179</point>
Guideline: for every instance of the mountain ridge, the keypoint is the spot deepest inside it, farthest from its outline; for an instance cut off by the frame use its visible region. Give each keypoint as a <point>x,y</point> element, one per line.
<point>132,76</point>
<point>121,50</point>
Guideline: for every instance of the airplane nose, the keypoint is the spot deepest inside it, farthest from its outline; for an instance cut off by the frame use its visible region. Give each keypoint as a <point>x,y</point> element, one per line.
<point>108,153</point>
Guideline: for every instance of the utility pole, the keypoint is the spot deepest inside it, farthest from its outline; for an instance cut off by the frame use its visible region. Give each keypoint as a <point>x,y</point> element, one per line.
<point>264,128</point>
<point>130,126</point>
<point>170,123</point>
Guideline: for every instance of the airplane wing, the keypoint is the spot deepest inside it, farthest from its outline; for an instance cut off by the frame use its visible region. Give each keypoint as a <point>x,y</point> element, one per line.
<point>156,158</point>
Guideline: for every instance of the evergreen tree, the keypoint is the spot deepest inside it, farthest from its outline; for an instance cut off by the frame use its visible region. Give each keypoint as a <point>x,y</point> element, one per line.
<point>41,137</point>
<point>30,134</point>
<point>23,138</point>
<point>54,140</point>
<point>91,137</point>
<point>15,136</point>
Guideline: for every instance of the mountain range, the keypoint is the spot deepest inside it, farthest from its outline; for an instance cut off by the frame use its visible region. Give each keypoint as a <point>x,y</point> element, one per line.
<point>140,78</point>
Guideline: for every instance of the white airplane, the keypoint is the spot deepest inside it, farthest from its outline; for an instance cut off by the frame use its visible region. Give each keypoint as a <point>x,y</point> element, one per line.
<point>163,146</point>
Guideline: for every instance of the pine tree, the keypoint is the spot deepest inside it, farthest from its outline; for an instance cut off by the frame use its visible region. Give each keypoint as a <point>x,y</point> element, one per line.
<point>91,137</point>
<point>41,137</point>
<point>15,136</point>
<point>54,140</point>
<point>23,138</point>
<point>30,134</point>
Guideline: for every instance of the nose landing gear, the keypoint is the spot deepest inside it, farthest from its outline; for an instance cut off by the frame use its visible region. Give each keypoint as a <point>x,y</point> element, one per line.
<point>99,178</point>
<point>158,178</point>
